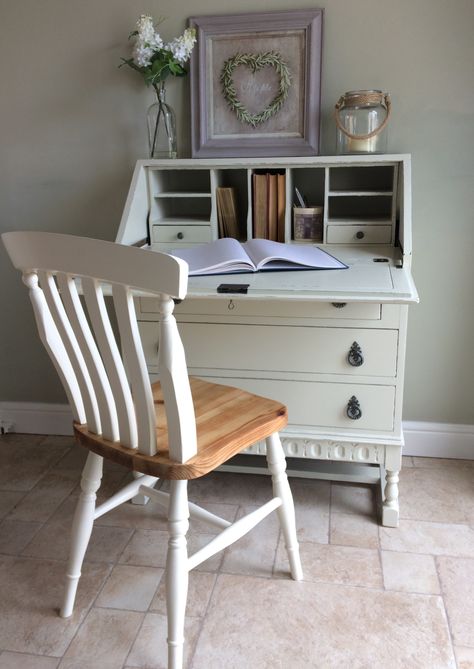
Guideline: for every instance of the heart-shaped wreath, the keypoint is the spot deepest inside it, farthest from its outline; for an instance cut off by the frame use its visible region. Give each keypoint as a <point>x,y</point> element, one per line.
<point>255,61</point>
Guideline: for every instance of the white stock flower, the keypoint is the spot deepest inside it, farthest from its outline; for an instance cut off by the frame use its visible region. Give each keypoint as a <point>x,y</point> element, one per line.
<point>142,55</point>
<point>145,27</point>
<point>181,47</point>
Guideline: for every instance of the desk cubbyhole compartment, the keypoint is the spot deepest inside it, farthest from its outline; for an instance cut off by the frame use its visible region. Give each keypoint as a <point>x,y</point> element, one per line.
<point>238,180</point>
<point>369,179</point>
<point>181,211</point>
<point>180,182</point>
<point>310,183</point>
<point>360,209</point>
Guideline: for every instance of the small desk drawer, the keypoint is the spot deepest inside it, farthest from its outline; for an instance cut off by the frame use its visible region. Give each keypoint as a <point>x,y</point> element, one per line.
<point>359,234</point>
<point>325,405</point>
<point>181,234</point>
<point>270,309</point>
<point>303,350</point>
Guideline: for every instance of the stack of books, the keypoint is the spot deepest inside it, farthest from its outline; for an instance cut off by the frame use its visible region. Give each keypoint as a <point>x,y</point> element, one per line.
<point>227,215</point>
<point>269,201</point>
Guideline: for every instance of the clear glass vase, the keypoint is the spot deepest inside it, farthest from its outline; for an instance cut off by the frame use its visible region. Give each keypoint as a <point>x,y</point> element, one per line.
<point>161,121</point>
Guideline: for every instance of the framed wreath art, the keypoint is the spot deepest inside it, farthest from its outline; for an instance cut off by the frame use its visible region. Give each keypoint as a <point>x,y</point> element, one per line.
<point>255,84</point>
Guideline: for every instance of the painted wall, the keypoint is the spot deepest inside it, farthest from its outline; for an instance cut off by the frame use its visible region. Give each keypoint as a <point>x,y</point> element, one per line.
<point>73,124</point>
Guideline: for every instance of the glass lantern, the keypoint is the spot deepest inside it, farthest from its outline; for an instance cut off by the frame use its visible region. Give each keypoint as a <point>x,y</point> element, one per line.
<point>361,120</point>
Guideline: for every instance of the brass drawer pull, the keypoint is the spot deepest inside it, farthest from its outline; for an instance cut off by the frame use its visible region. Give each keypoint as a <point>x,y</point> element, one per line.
<point>353,411</point>
<point>355,357</point>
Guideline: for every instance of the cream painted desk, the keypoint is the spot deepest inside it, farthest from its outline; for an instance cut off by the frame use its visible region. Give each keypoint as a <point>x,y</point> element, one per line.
<point>330,344</point>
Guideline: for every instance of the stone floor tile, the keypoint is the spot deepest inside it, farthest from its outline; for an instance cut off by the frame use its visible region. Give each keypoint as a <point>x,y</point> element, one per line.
<point>438,495</point>
<point>335,564</point>
<point>200,589</point>
<point>23,661</point>
<point>15,535</point>
<point>24,460</point>
<point>147,548</point>
<point>281,624</point>
<point>43,500</point>
<point>442,463</point>
<point>150,650</point>
<point>408,572</point>
<point>414,536</point>
<point>229,488</point>
<point>457,585</point>
<point>254,553</point>
<point>8,500</point>
<point>349,529</point>
<point>311,500</point>
<point>465,657</point>
<point>32,593</point>
<point>104,640</point>
<point>130,588</point>
<point>353,498</point>
<point>53,539</point>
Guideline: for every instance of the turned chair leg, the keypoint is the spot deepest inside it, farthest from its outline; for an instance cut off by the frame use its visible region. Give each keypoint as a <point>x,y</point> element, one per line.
<point>81,528</point>
<point>286,512</point>
<point>177,571</point>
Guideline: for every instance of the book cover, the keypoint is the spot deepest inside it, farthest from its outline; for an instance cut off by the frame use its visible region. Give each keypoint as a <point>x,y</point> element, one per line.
<point>260,206</point>
<point>281,206</point>
<point>272,207</point>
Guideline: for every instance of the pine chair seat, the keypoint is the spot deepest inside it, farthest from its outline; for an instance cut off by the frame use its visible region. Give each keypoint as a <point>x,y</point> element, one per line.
<point>178,429</point>
<point>227,421</point>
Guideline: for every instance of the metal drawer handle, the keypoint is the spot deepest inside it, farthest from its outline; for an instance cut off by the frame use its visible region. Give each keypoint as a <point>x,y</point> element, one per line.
<point>338,305</point>
<point>355,357</point>
<point>353,411</point>
<point>360,234</point>
<point>180,235</point>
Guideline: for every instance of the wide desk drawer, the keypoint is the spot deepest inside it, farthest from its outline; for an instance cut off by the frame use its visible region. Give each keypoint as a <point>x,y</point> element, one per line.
<point>353,351</point>
<point>235,307</point>
<point>326,405</point>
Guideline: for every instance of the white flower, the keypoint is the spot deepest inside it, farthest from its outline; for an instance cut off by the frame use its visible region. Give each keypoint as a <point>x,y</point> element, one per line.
<point>142,55</point>
<point>145,27</point>
<point>181,47</point>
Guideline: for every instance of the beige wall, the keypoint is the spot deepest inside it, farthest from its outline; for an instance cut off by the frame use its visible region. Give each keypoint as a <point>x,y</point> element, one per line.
<point>72,126</point>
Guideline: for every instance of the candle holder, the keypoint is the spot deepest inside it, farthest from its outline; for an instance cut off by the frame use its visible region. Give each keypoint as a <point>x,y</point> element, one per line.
<point>361,120</point>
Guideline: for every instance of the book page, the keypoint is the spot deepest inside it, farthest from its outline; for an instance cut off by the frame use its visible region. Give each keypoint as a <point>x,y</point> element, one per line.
<point>266,254</point>
<point>221,256</point>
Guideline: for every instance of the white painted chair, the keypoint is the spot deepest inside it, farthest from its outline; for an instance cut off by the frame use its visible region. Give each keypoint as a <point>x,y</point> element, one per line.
<point>179,429</point>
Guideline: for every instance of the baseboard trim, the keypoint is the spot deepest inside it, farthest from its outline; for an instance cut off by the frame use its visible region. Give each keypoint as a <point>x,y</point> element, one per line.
<point>35,418</point>
<point>436,440</point>
<point>439,440</point>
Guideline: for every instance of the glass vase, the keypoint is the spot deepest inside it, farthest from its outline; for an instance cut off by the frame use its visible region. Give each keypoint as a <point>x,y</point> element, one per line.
<point>161,121</point>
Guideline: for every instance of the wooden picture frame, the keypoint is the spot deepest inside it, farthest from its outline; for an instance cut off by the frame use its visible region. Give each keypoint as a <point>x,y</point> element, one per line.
<point>256,84</point>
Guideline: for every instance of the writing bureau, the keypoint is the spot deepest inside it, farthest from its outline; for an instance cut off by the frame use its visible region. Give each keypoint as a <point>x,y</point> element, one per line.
<point>329,344</point>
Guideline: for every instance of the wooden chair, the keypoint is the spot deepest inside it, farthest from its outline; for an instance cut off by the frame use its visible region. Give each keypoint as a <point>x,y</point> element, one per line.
<point>178,429</point>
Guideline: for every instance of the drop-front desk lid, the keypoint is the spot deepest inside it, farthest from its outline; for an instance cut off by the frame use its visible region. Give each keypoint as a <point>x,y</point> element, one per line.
<point>375,274</point>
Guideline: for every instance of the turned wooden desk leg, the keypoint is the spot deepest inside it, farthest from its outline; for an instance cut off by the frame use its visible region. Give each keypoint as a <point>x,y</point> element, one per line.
<point>389,485</point>
<point>390,509</point>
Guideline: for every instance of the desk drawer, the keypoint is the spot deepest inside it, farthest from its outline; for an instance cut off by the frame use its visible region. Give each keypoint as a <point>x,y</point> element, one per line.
<point>288,309</point>
<point>181,234</point>
<point>361,234</point>
<point>324,405</point>
<point>353,351</point>
<point>301,350</point>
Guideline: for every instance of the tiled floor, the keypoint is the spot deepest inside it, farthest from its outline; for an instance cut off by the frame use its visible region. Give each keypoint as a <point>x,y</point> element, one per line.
<point>372,597</point>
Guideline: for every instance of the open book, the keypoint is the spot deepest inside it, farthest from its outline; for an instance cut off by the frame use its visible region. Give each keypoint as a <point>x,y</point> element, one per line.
<point>226,256</point>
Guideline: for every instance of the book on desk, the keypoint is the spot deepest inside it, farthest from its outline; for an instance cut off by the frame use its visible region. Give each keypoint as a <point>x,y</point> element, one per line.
<point>227,256</point>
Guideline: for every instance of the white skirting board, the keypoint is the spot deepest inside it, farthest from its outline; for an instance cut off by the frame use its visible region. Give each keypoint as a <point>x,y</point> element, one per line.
<point>436,440</point>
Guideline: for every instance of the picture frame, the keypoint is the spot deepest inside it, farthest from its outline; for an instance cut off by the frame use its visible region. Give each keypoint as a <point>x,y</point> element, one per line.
<point>256,84</point>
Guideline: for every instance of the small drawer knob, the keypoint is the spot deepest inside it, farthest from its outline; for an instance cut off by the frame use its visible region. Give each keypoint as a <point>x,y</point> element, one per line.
<point>353,411</point>
<point>360,234</point>
<point>355,357</point>
<point>180,235</point>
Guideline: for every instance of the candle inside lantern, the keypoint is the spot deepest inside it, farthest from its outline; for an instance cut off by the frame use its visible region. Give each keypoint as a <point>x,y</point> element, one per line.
<point>362,145</point>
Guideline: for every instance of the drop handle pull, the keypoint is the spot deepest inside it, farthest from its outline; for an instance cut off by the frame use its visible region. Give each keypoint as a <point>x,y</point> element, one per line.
<point>355,357</point>
<point>353,411</point>
<point>180,235</point>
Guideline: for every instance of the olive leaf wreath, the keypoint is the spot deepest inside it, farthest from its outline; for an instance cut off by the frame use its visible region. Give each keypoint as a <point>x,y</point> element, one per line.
<point>255,61</point>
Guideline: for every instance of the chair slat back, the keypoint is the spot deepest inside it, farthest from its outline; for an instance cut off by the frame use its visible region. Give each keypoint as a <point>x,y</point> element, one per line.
<point>107,383</point>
